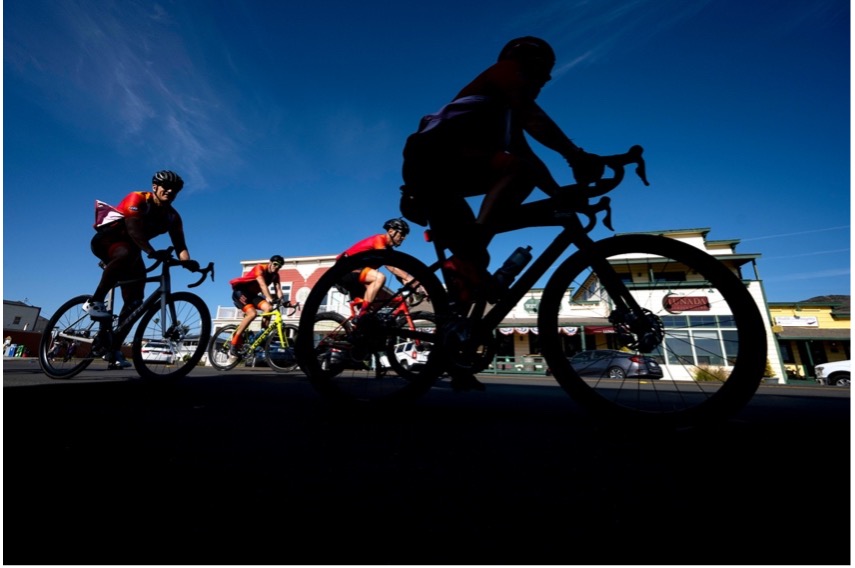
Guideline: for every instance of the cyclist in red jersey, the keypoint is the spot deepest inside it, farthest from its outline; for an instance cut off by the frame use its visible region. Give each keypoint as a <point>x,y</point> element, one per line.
<point>252,290</point>
<point>127,231</point>
<point>476,145</point>
<point>367,282</point>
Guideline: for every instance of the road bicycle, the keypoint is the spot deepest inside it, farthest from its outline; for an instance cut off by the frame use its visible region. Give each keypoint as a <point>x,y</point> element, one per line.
<point>365,341</point>
<point>623,286</point>
<point>178,321</point>
<point>275,342</point>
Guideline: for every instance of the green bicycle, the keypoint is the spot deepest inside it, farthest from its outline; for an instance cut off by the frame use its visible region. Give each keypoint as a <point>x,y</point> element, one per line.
<point>275,342</point>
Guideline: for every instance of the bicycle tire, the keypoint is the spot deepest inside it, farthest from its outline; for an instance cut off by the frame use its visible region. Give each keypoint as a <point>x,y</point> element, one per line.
<point>281,359</point>
<point>712,363</point>
<point>187,332</point>
<point>218,349</point>
<point>70,320</point>
<point>352,350</point>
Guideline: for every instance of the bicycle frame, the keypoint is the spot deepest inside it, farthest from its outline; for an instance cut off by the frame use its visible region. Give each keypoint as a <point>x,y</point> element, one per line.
<point>275,324</point>
<point>116,335</point>
<point>400,307</point>
<point>559,211</point>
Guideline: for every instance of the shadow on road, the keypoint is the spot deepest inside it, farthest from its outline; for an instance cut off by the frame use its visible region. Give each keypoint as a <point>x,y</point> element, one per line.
<point>255,469</point>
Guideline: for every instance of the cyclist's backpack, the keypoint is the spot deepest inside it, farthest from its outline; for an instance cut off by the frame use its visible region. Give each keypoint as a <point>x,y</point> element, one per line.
<point>106,215</point>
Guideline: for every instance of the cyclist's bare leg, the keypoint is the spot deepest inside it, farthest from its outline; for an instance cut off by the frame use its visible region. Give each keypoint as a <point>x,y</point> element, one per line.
<point>374,281</point>
<point>250,313</point>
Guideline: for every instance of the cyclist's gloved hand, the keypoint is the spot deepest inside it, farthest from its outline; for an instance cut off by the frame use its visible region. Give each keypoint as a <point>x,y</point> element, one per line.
<point>191,265</point>
<point>587,168</point>
<point>163,255</point>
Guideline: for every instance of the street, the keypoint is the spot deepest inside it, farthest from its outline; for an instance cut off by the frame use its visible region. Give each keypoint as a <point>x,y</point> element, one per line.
<point>251,467</point>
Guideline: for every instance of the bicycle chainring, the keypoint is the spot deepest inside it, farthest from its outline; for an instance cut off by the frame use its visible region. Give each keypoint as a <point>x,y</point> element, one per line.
<point>463,349</point>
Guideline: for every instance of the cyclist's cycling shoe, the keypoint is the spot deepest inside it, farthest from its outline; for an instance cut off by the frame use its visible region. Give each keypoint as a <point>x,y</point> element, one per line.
<point>119,363</point>
<point>461,381</point>
<point>234,350</point>
<point>96,310</point>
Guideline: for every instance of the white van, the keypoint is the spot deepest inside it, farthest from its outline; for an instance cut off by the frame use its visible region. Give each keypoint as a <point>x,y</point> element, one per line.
<point>408,354</point>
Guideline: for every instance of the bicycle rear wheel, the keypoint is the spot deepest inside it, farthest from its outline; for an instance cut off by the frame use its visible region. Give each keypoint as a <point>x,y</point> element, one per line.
<point>712,354</point>
<point>343,357</point>
<point>70,325</point>
<point>281,357</point>
<point>185,330</point>
<point>218,349</point>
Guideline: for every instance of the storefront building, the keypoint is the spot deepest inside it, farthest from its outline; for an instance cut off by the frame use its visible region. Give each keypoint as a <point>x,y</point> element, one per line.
<point>808,333</point>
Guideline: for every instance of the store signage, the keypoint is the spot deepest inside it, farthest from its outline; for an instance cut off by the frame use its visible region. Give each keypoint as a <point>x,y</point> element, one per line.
<point>676,304</point>
<point>797,321</point>
<point>531,305</point>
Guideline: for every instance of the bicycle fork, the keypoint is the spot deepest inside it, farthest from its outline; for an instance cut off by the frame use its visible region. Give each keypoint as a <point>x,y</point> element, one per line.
<point>637,328</point>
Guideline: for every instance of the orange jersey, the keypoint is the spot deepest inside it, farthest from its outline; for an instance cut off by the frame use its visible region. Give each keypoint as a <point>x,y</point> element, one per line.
<point>248,283</point>
<point>156,220</point>
<point>375,242</point>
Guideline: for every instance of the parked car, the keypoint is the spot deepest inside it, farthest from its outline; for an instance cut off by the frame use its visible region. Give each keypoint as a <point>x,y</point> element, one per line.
<point>157,352</point>
<point>615,364</point>
<point>408,354</point>
<point>835,373</point>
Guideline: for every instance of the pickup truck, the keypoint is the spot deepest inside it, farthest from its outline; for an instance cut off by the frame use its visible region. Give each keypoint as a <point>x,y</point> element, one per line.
<point>835,373</point>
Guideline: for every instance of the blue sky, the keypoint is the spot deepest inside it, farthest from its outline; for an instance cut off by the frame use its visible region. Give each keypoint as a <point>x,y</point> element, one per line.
<point>287,121</point>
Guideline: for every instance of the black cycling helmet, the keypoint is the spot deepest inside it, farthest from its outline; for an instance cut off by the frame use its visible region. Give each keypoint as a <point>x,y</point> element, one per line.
<point>399,225</point>
<point>528,48</point>
<point>276,258</point>
<point>169,179</point>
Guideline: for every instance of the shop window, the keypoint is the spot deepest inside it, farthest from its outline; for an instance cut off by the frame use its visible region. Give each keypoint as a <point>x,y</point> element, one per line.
<point>533,344</point>
<point>669,276</point>
<point>787,353</point>
<point>505,345</point>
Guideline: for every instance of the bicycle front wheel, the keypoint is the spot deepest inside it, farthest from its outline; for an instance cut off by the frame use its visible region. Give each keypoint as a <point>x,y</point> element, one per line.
<point>66,343</point>
<point>344,357</point>
<point>182,332</point>
<point>280,357</point>
<point>218,349</point>
<point>710,352</point>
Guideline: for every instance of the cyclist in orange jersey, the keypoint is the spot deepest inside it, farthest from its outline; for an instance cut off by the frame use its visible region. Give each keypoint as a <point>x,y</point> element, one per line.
<point>367,282</point>
<point>252,290</point>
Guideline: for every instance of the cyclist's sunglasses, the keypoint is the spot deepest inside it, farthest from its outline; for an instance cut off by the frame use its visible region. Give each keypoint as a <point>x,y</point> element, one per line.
<point>174,189</point>
<point>276,265</point>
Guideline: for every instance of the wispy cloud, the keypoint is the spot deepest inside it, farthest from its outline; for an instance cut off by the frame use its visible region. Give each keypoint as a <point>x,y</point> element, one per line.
<point>590,29</point>
<point>126,71</point>
<point>812,253</point>
<point>797,233</point>
<point>830,273</point>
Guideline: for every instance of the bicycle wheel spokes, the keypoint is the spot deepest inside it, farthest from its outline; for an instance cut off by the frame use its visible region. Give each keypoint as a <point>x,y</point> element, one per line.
<point>218,349</point>
<point>65,347</point>
<point>168,345</point>
<point>280,357</point>
<point>697,350</point>
<point>348,359</point>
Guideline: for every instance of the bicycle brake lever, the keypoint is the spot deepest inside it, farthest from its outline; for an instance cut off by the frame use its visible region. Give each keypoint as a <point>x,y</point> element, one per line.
<point>641,168</point>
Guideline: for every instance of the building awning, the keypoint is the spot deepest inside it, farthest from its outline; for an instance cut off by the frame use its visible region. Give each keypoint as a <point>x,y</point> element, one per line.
<point>806,333</point>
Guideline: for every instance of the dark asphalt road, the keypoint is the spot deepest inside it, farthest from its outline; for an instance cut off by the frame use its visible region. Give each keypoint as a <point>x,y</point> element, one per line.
<point>252,468</point>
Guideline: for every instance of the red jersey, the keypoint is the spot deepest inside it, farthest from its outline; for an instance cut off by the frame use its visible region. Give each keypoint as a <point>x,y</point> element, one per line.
<point>156,220</point>
<point>376,242</point>
<point>248,282</point>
